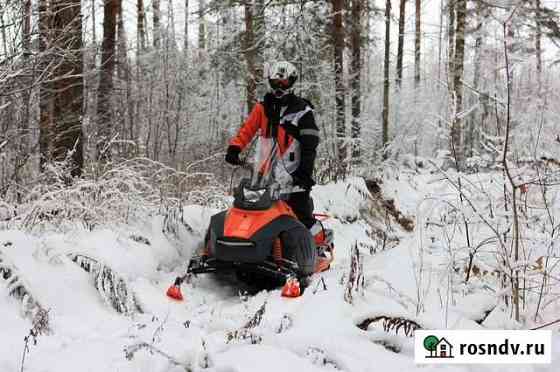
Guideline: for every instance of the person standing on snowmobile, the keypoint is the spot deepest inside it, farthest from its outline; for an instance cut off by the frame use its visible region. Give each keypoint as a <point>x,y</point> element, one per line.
<point>289,120</point>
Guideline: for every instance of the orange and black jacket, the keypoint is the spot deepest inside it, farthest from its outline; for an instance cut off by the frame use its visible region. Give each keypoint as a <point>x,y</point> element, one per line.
<point>291,121</point>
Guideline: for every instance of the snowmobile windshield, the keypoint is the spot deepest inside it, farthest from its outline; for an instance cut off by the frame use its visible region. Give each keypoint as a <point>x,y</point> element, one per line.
<point>269,181</point>
<point>268,166</point>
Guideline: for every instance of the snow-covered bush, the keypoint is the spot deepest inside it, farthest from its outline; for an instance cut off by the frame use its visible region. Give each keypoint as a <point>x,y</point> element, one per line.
<point>19,289</point>
<point>112,287</point>
<point>110,194</point>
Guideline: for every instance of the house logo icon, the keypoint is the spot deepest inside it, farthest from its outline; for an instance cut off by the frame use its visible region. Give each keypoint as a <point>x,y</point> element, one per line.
<point>438,347</point>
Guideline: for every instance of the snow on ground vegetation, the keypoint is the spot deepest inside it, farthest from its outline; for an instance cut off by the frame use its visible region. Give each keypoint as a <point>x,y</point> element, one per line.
<point>91,297</point>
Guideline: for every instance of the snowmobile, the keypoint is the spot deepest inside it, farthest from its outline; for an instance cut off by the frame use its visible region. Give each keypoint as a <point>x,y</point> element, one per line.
<point>260,238</point>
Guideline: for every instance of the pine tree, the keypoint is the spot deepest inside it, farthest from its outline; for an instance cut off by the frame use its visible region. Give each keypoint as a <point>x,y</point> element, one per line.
<point>202,25</point>
<point>186,32</point>
<point>450,41</point>
<point>355,75</point>
<point>417,43</point>
<point>386,84</point>
<point>156,9</point>
<point>400,46</point>
<point>338,34</point>
<point>538,48</point>
<point>140,26</point>
<point>68,83</point>
<point>45,97</point>
<point>106,72</point>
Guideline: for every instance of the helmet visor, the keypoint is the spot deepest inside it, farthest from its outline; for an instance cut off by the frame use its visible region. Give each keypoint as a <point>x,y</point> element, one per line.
<point>279,83</point>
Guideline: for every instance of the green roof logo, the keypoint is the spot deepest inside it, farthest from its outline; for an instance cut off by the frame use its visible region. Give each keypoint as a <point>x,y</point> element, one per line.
<point>438,347</point>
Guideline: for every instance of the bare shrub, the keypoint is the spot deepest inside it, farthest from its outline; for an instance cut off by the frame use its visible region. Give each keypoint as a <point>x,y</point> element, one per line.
<point>41,325</point>
<point>112,194</point>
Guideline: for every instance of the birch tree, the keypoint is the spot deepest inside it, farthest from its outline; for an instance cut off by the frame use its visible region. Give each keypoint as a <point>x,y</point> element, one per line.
<point>457,77</point>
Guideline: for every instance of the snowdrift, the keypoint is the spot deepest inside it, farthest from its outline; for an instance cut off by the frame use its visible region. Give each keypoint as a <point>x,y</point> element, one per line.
<point>104,293</point>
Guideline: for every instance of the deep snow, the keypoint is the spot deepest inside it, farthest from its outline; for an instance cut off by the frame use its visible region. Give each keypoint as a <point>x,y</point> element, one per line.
<point>316,332</point>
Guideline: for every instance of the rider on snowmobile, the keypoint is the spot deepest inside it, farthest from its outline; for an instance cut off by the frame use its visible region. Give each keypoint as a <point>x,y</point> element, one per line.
<point>289,120</point>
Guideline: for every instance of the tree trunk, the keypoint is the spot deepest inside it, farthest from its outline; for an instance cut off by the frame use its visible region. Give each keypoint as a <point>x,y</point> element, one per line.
<point>26,27</point>
<point>186,32</point>
<point>538,49</point>
<point>170,40</point>
<point>457,129</point>
<point>340,101</point>
<point>478,44</point>
<point>68,85</point>
<point>386,85</point>
<point>440,37</point>
<point>202,24</point>
<point>105,89</point>
<point>417,41</point>
<point>140,26</point>
<point>259,32</point>
<point>121,45</point>
<point>356,69</point>
<point>93,29</point>
<point>137,103</point>
<point>439,68</point>
<point>22,152</point>
<point>28,82</point>
<point>45,98</point>
<point>124,85</point>
<point>476,123</point>
<point>400,46</point>
<point>450,41</point>
<point>156,20</point>
<point>3,27</point>
<point>250,57</point>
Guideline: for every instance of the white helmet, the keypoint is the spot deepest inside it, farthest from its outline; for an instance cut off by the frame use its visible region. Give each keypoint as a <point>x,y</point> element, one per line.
<point>281,76</point>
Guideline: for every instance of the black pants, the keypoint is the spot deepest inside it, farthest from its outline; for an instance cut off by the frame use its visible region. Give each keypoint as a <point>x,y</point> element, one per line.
<point>302,205</point>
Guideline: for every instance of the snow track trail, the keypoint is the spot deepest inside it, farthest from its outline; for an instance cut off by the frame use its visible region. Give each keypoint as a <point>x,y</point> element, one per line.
<point>220,327</point>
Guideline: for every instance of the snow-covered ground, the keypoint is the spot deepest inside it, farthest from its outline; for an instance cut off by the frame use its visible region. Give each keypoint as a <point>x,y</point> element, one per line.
<point>207,332</point>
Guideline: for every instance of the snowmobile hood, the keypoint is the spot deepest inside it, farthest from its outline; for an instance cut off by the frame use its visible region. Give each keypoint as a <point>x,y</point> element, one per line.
<point>241,223</point>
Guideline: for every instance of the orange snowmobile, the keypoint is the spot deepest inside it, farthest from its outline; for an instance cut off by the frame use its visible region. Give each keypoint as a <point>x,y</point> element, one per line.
<point>260,237</point>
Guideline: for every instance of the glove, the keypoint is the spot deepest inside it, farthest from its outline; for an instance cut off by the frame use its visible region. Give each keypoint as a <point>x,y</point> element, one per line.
<point>302,180</point>
<point>232,155</point>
